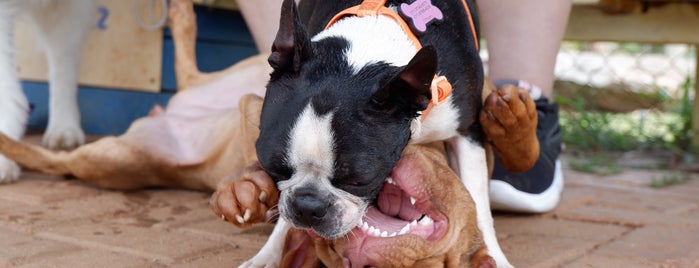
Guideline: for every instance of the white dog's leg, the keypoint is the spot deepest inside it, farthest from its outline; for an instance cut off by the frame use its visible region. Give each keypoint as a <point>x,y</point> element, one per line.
<point>472,166</point>
<point>61,28</point>
<point>14,108</point>
<point>270,254</point>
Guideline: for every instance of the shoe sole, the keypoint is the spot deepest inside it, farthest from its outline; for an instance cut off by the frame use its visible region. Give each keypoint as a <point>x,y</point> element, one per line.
<point>507,198</point>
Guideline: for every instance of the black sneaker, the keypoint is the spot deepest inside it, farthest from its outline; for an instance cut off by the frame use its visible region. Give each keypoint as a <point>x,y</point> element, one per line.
<point>538,189</point>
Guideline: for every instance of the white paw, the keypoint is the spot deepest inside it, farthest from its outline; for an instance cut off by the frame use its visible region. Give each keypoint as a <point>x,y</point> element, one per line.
<point>9,171</point>
<point>63,137</point>
<point>262,260</point>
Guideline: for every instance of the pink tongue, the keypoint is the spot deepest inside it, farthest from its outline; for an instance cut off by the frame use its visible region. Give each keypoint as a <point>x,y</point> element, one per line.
<point>394,202</point>
<point>375,218</point>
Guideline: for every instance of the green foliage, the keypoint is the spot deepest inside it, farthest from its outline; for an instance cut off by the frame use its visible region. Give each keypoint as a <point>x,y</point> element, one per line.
<point>601,164</point>
<point>670,178</point>
<point>588,130</point>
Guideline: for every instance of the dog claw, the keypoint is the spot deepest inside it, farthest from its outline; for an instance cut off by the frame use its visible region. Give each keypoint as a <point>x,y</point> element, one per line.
<point>490,115</point>
<point>240,219</point>
<point>246,216</point>
<point>506,98</point>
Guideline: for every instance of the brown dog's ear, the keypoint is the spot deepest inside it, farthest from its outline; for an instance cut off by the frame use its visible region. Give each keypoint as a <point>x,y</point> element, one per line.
<point>291,45</point>
<point>409,90</point>
<point>481,259</point>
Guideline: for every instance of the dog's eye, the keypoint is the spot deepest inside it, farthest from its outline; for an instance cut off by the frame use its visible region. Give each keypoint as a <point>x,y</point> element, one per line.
<point>278,174</point>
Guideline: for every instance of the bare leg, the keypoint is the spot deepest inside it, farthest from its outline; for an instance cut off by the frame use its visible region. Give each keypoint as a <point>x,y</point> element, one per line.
<point>523,41</point>
<point>523,38</point>
<point>262,17</point>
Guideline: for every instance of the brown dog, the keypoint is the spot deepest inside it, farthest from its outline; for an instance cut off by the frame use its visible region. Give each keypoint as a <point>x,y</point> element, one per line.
<point>203,141</point>
<point>458,243</point>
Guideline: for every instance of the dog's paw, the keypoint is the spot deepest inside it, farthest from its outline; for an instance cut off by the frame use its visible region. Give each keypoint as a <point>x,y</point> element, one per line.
<point>9,170</point>
<point>63,137</point>
<point>509,119</point>
<point>246,200</point>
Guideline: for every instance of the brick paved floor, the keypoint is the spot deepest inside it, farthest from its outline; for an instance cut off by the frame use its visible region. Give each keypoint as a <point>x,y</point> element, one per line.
<point>612,221</point>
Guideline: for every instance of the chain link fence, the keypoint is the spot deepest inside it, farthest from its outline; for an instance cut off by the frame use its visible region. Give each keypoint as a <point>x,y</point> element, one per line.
<point>626,96</point>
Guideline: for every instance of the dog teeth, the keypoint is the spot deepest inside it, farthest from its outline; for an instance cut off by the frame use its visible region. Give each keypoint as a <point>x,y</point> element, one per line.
<point>405,229</point>
<point>412,200</point>
<point>426,220</point>
<point>390,181</point>
<point>376,232</point>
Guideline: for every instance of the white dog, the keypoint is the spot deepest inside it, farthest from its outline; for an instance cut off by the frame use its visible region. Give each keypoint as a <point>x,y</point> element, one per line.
<point>60,27</point>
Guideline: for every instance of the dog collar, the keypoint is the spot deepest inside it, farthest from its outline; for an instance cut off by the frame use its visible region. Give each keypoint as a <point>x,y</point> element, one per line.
<point>440,88</point>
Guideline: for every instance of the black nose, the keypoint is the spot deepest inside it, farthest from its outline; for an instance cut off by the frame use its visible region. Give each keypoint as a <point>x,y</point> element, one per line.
<point>309,208</point>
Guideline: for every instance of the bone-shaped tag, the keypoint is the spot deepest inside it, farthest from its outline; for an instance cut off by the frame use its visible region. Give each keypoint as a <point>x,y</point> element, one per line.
<point>421,13</point>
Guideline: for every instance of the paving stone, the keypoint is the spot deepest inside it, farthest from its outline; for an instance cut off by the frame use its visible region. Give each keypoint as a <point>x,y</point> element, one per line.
<point>584,231</point>
<point>31,218</point>
<point>162,245</point>
<point>574,195</point>
<point>164,208</point>
<point>92,258</point>
<point>225,257</point>
<point>657,243</point>
<point>254,236</point>
<point>543,251</point>
<point>37,189</point>
<point>687,189</point>
<point>601,261</point>
<point>634,207</point>
<point>17,247</point>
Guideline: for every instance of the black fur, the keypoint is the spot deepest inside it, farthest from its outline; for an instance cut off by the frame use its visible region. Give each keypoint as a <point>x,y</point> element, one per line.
<point>372,110</point>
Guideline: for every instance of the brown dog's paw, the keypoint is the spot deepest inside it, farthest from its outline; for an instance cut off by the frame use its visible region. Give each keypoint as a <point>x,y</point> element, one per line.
<point>481,259</point>
<point>246,200</point>
<point>509,119</point>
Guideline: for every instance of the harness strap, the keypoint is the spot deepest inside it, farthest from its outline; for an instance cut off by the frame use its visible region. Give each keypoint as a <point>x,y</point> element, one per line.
<point>440,87</point>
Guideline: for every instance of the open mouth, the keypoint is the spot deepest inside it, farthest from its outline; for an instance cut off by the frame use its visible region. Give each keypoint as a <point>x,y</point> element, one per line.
<point>403,207</point>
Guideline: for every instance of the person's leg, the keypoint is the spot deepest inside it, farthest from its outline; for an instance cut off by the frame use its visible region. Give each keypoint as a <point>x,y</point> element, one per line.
<point>523,39</point>
<point>262,18</point>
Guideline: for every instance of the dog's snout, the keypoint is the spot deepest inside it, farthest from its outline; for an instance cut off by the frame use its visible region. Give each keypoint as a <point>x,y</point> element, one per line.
<point>309,208</point>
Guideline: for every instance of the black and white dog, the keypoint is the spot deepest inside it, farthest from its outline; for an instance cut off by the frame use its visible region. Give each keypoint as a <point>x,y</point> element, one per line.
<point>344,101</point>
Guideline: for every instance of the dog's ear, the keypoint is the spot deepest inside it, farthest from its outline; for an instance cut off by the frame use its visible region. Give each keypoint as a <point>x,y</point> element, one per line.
<point>291,45</point>
<point>409,90</point>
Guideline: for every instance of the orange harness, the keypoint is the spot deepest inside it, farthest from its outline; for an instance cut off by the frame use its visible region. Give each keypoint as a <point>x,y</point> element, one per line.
<point>440,88</point>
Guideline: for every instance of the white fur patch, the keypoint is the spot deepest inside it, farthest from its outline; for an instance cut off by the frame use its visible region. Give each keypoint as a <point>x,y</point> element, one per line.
<point>440,124</point>
<point>311,155</point>
<point>473,171</point>
<point>270,255</point>
<point>311,144</point>
<point>371,39</point>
